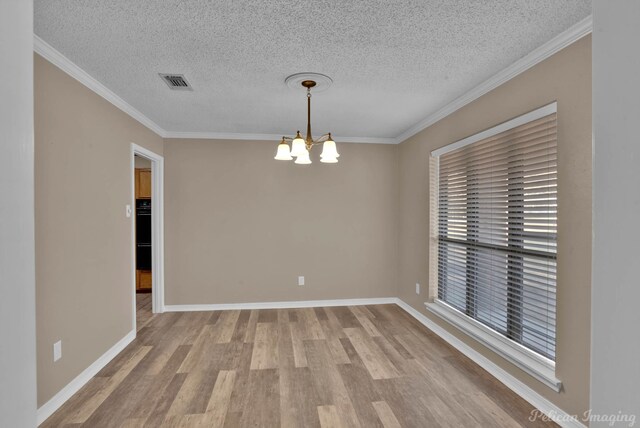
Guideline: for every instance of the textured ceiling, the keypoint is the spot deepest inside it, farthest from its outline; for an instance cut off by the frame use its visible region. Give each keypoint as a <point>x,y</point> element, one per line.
<point>393,62</point>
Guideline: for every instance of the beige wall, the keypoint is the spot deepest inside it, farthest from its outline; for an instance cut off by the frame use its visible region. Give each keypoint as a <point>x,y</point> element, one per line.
<point>565,77</point>
<point>241,226</point>
<point>83,239</point>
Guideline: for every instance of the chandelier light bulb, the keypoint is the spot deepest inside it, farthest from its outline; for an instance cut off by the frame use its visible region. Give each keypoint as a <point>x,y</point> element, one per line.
<point>283,152</point>
<point>303,159</point>
<point>298,146</point>
<point>329,160</point>
<point>329,151</point>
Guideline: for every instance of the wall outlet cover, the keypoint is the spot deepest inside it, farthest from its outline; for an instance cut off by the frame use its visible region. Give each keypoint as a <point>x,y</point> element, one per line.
<point>301,280</point>
<point>417,288</point>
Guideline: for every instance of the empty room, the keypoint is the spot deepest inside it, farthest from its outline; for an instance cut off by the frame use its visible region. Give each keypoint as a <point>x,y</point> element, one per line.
<point>236,213</point>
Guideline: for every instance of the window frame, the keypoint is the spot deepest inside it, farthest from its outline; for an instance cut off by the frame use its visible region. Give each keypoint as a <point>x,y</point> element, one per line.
<point>537,365</point>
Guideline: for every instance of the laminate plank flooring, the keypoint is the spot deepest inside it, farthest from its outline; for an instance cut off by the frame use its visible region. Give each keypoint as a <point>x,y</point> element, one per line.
<point>144,310</point>
<point>361,366</point>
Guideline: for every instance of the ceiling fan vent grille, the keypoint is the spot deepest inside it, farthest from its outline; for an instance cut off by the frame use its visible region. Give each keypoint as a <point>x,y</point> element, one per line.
<point>176,82</point>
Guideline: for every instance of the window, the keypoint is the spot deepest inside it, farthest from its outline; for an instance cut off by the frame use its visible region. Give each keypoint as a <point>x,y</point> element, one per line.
<point>496,237</point>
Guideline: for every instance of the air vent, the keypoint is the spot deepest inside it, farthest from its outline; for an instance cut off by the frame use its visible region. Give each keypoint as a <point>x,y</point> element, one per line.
<point>176,82</point>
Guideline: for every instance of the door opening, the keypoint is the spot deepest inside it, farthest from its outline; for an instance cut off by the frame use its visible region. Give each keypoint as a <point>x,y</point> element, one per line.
<point>147,235</point>
<point>143,254</point>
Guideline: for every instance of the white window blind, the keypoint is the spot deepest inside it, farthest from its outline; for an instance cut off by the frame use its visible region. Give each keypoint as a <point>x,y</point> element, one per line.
<point>497,232</point>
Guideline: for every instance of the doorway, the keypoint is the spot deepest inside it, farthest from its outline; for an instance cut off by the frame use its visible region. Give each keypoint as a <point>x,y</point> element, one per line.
<point>146,211</point>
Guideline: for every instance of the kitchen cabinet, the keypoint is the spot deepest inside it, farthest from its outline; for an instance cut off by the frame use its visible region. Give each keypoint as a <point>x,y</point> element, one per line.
<point>143,183</point>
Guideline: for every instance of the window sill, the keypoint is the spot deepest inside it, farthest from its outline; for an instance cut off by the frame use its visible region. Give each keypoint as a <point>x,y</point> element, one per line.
<point>536,365</point>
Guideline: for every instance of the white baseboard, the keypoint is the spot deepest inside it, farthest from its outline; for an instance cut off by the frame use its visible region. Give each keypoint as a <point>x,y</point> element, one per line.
<point>74,386</point>
<point>538,401</point>
<point>282,305</point>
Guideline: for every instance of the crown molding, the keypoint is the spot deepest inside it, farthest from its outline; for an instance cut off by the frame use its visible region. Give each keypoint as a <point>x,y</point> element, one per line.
<point>538,55</point>
<point>561,41</point>
<point>268,137</point>
<point>49,53</point>
<point>221,136</point>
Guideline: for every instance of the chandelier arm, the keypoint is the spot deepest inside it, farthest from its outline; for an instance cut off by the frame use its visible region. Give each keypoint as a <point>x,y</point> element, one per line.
<point>321,139</point>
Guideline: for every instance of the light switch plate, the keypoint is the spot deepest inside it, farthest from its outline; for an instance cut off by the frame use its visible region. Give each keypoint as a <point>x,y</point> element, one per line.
<point>57,350</point>
<point>128,211</point>
<point>301,280</point>
<point>417,288</point>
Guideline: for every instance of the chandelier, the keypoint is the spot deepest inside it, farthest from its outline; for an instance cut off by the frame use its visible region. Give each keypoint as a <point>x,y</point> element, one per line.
<point>300,147</point>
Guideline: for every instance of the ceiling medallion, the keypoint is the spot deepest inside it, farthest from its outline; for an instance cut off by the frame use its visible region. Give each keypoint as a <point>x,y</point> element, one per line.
<point>300,147</point>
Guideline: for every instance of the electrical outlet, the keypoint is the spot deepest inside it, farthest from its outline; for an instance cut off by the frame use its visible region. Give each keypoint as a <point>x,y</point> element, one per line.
<point>128,211</point>
<point>301,280</point>
<point>57,350</point>
<point>417,288</point>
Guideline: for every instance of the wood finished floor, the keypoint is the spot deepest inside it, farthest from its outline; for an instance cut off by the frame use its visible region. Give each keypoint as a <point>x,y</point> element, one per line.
<point>144,309</point>
<point>363,366</point>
